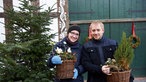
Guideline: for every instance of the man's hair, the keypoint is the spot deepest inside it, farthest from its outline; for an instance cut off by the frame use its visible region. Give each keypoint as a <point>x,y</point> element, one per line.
<point>98,23</point>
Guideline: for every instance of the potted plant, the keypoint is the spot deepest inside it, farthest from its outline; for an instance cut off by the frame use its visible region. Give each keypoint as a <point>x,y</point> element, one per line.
<point>120,66</point>
<point>65,70</point>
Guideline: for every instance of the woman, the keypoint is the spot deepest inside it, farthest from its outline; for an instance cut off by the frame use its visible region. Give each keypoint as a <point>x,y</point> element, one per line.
<point>71,41</point>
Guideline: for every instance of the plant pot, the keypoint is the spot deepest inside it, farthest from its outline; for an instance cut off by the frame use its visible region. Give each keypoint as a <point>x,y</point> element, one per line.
<point>119,76</point>
<point>65,70</point>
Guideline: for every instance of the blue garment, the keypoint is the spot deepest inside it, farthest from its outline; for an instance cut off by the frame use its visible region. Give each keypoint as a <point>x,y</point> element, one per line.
<point>75,48</point>
<point>75,73</point>
<point>56,60</point>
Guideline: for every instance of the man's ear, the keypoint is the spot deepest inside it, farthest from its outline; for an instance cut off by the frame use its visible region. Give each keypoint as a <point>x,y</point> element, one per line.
<point>103,30</point>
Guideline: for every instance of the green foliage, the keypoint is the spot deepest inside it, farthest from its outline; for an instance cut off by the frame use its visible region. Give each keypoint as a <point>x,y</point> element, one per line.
<point>28,24</point>
<point>124,54</point>
<point>23,56</point>
<point>67,53</point>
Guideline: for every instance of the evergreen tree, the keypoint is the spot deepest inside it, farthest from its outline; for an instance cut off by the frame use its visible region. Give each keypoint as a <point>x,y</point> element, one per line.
<point>124,54</point>
<point>23,56</point>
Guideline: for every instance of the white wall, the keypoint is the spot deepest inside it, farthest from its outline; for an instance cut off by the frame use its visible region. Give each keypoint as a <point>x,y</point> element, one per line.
<point>53,26</point>
<point>46,3</point>
<point>2,29</point>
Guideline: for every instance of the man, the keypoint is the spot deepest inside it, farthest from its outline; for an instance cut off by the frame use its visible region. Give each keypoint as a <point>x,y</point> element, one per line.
<point>71,41</point>
<point>96,51</point>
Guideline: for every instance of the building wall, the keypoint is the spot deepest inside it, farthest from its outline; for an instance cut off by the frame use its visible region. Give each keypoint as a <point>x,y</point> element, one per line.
<point>114,9</point>
<point>45,3</point>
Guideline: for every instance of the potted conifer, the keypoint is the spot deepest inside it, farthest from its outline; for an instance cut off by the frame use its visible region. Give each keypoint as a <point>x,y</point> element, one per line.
<point>120,66</point>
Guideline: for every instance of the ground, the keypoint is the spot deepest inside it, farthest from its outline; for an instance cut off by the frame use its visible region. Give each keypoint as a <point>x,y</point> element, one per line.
<point>140,79</point>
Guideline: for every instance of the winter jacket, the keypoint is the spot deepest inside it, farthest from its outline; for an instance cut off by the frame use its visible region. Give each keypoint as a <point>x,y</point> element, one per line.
<point>75,49</point>
<point>94,54</point>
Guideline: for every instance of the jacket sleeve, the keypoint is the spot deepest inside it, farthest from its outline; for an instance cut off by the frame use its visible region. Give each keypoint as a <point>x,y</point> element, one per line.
<point>87,62</point>
<point>49,63</point>
<point>78,65</point>
<point>81,69</point>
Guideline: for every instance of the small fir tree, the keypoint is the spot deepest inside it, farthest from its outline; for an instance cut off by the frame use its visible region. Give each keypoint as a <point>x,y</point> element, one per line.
<point>124,54</point>
<point>23,56</point>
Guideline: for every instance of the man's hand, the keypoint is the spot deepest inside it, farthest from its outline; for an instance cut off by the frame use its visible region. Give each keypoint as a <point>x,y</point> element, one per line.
<point>106,69</point>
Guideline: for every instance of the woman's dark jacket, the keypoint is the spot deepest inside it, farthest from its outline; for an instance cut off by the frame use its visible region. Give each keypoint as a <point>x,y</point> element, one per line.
<point>94,54</point>
<point>75,48</point>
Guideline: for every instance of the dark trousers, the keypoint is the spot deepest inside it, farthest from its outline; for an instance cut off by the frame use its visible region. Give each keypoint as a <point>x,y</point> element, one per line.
<point>131,78</point>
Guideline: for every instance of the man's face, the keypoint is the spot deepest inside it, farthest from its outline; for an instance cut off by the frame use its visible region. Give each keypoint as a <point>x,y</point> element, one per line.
<point>97,31</point>
<point>73,36</point>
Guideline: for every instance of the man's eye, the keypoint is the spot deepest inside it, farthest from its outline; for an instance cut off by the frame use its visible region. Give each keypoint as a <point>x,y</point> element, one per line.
<point>98,29</point>
<point>93,30</point>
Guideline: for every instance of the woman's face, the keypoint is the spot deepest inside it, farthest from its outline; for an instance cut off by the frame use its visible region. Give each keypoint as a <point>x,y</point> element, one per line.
<point>97,31</point>
<point>73,36</point>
